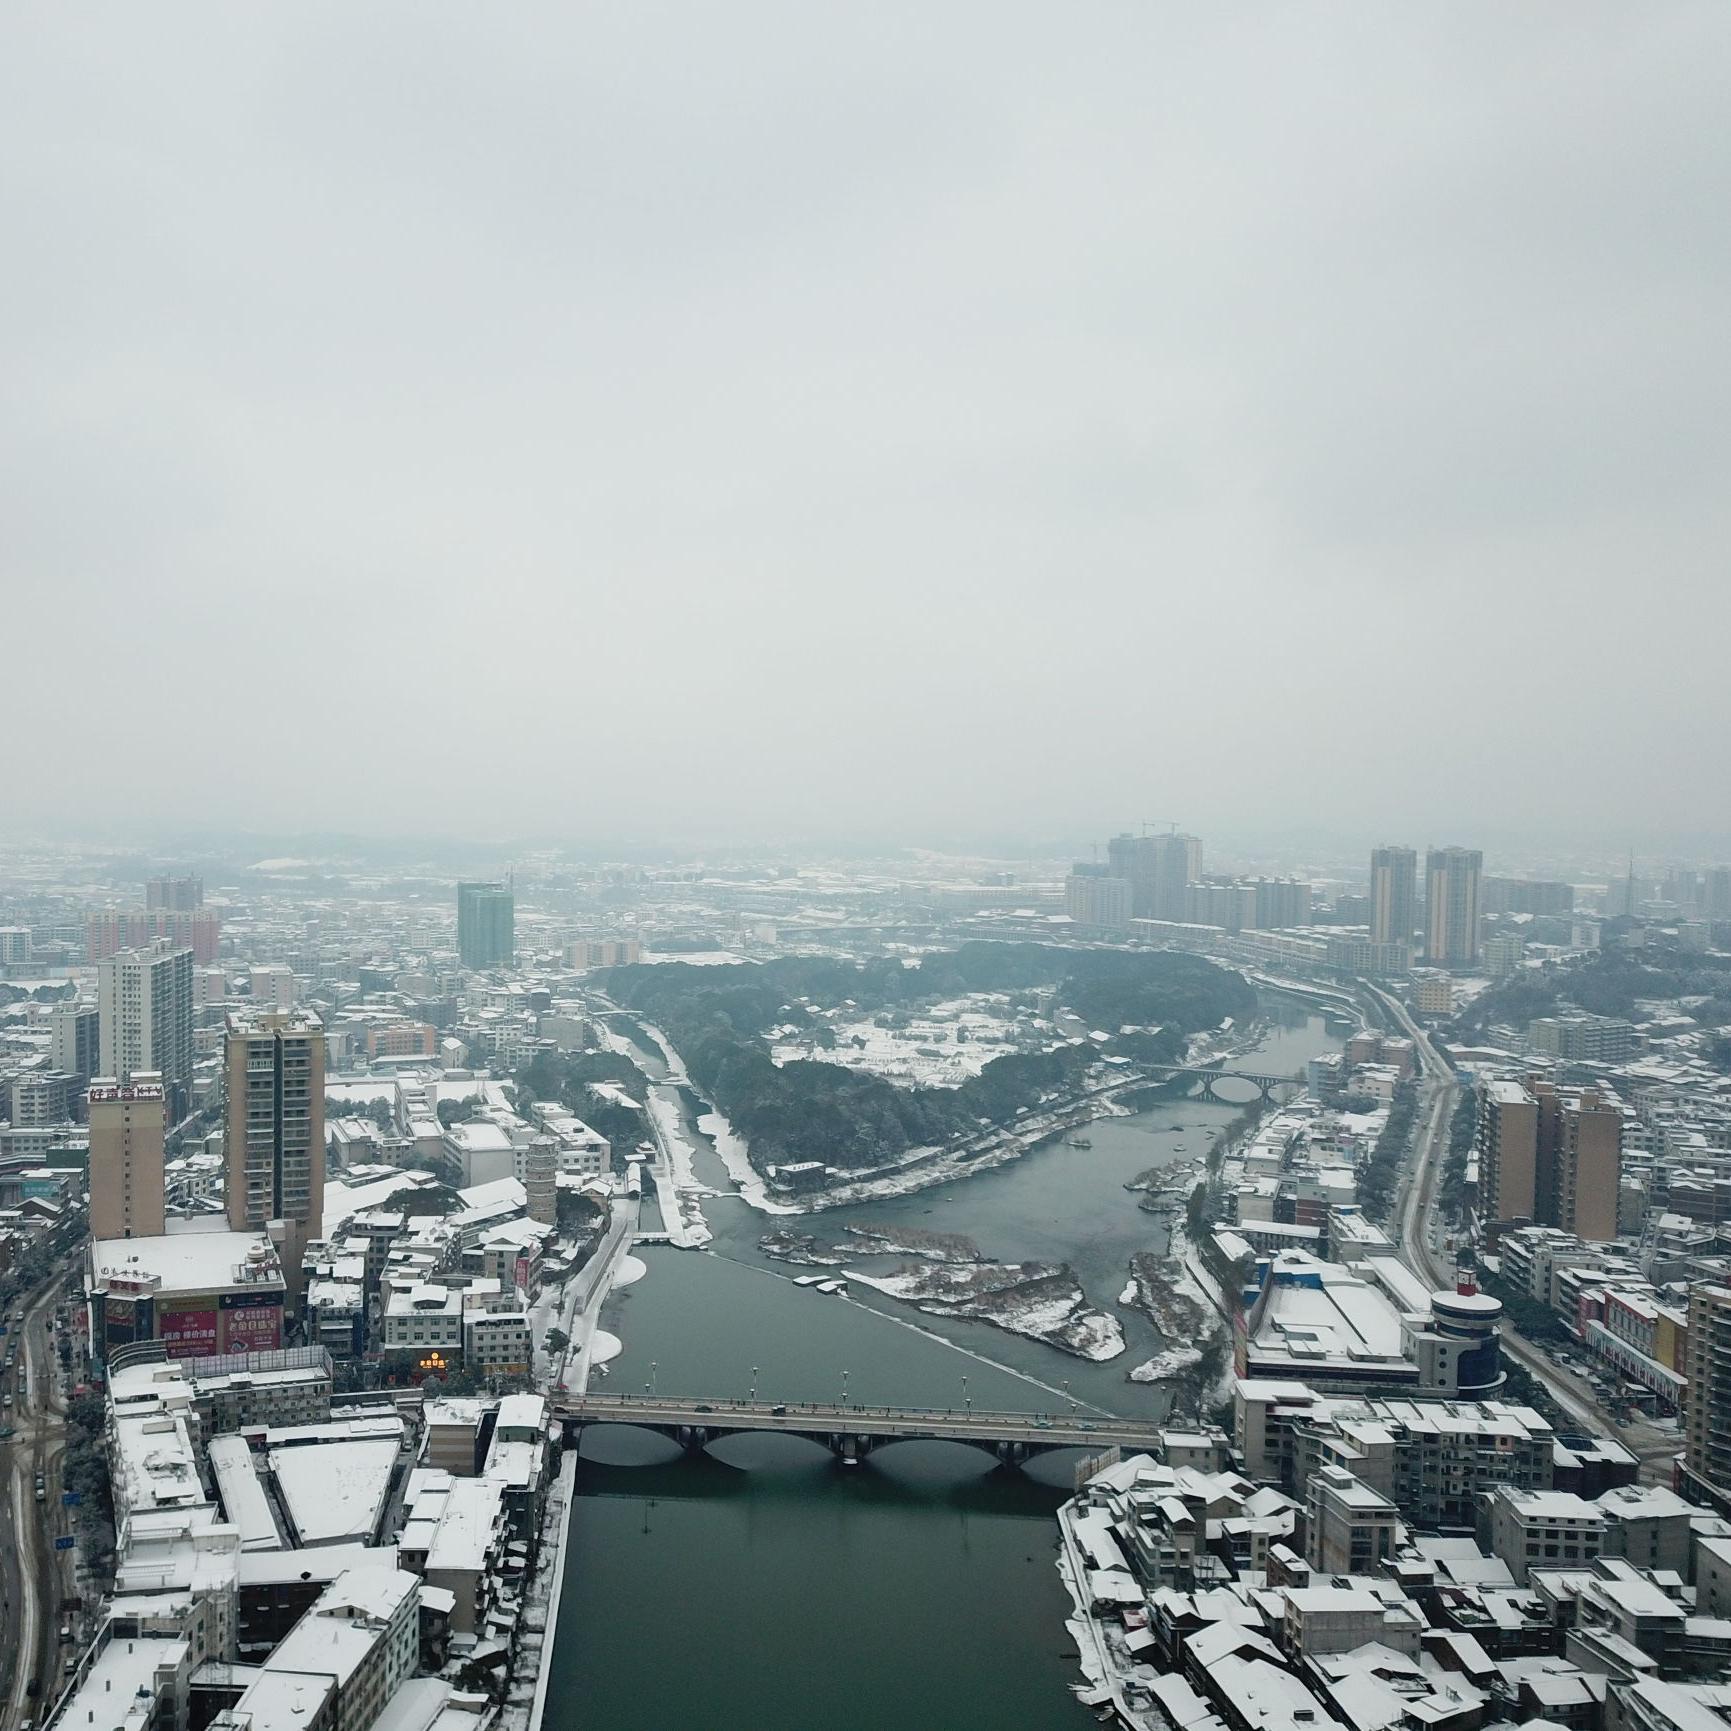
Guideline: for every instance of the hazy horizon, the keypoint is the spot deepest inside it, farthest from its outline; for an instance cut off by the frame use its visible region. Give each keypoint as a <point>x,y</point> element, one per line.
<point>969,422</point>
<point>1322,856</point>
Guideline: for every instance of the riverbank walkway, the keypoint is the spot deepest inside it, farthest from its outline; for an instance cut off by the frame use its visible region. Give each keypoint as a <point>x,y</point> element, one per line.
<point>851,1431</point>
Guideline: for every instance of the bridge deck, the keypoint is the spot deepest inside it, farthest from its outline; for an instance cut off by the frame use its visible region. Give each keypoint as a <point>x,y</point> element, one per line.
<point>801,1418</point>
<point>1204,1069</point>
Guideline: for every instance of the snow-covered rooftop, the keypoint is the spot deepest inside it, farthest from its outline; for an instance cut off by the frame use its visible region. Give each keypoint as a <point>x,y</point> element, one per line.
<point>335,1491</point>
<point>189,1257</point>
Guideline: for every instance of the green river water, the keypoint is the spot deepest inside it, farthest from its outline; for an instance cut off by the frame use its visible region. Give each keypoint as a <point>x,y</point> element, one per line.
<point>766,1586</point>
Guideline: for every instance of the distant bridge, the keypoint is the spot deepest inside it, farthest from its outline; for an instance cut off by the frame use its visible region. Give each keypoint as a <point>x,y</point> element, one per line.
<point>853,1432</point>
<point>1267,1087</point>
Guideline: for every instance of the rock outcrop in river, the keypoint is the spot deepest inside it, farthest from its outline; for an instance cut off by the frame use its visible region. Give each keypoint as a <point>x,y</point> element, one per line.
<point>802,1247</point>
<point>1040,1300</point>
<point>911,1241</point>
<point>1155,1289</point>
<point>786,1245</point>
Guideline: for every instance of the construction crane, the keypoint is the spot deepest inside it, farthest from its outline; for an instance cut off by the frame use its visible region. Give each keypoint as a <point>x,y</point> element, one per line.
<point>1171,827</point>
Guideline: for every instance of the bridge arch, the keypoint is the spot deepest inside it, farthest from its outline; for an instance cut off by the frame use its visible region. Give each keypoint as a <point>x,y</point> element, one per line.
<point>845,1442</point>
<point>852,1432</point>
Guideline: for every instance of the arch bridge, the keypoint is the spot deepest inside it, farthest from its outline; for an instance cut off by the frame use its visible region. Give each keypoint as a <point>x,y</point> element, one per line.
<point>1269,1088</point>
<point>852,1432</point>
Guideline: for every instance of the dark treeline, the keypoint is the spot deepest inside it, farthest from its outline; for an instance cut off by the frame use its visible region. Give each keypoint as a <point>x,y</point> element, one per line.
<point>716,1018</point>
<point>1611,982</point>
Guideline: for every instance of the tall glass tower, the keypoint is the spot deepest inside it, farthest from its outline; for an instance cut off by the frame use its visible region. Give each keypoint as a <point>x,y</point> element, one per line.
<point>486,924</point>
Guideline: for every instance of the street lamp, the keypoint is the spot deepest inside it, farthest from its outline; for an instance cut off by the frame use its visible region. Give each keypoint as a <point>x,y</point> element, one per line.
<point>967,1400</point>
<point>754,1382</point>
<point>652,1369</point>
<point>844,1388</point>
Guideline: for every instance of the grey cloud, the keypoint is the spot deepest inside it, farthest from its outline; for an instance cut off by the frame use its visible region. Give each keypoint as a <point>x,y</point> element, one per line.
<point>632,417</point>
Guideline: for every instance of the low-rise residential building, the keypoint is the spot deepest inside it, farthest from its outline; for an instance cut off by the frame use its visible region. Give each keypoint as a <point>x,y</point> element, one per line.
<point>1431,1458</point>
<point>341,1663</point>
<point>496,1345</point>
<point>582,1151</point>
<point>1540,1529</point>
<point>1350,1527</point>
<point>288,1387</point>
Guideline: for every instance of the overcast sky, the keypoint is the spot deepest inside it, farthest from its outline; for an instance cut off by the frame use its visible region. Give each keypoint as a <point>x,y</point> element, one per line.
<point>911,417</point>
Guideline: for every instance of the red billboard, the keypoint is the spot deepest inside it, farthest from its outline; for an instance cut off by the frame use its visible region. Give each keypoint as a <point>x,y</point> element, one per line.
<point>257,1328</point>
<point>188,1333</point>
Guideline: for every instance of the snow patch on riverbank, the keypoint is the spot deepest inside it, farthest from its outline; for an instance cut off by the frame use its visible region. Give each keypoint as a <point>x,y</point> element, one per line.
<point>605,1347</point>
<point>676,1071</point>
<point>633,1268</point>
<point>1166,1364</point>
<point>614,1041</point>
<point>677,1187</point>
<point>730,1145</point>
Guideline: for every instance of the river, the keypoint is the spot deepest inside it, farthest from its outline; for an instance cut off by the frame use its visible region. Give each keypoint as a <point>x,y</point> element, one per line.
<point>765,1585</point>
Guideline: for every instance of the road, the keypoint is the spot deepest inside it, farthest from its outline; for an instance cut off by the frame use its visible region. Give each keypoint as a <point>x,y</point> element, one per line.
<point>588,1292</point>
<point>36,1576</point>
<point>1414,1212</point>
<point>803,1417</point>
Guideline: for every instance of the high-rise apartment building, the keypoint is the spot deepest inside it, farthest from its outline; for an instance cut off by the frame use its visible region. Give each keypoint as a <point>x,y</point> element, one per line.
<point>1157,869</point>
<point>1192,858</point>
<point>1393,895</point>
<point>197,929</point>
<point>1707,1398</point>
<point>1525,896</point>
<point>144,1014</point>
<point>1581,1131</point>
<point>1507,1138</point>
<point>1278,903</point>
<point>76,1040</point>
<point>1716,893</point>
<point>1451,910</point>
<point>179,895</point>
<point>1172,855</point>
<point>273,986</point>
<point>126,1134</point>
<point>1131,858</point>
<point>275,1132</point>
<point>486,924</point>
<point>1231,906</point>
<point>1550,1155</point>
<point>1094,897</point>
